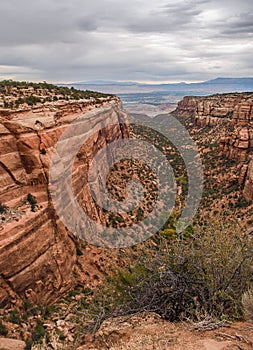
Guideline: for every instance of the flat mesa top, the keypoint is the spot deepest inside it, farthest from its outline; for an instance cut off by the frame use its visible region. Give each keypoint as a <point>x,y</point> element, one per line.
<point>42,105</point>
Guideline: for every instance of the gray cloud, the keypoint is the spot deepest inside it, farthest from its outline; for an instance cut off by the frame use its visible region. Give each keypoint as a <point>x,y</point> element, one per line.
<point>241,24</point>
<point>173,40</point>
<point>167,19</point>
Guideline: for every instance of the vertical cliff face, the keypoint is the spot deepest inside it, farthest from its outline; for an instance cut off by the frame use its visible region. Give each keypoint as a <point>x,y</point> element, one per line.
<point>212,110</point>
<point>37,253</point>
<point>248,187</point>
<point>187,106</point>
<point>234,114</point>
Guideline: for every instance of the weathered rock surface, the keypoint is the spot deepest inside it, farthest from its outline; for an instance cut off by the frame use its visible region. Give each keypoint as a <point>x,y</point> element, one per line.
<point>211,110</point>
<point>11,344</point>
<point>37,253</point>
<point>248,188</point>
<point>235,112</point>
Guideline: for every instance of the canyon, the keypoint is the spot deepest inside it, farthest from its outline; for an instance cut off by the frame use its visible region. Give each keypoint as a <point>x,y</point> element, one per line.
<point>41,261</point>
<point>38,255</point>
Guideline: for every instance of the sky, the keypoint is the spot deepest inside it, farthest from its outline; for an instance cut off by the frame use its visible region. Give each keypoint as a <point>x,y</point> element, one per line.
<point>125,40</point>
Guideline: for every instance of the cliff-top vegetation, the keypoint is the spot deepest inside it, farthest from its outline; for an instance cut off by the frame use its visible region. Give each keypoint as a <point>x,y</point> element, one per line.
<point>18,94</point>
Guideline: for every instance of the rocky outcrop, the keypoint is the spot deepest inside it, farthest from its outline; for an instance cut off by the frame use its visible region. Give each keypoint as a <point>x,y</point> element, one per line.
<point>187,106</point>
<point>212,110</point>
<point>234,113</point>
<point>248,187</point>
<point>37,253</point>
<point>236,145</point>
<point>11,344</point>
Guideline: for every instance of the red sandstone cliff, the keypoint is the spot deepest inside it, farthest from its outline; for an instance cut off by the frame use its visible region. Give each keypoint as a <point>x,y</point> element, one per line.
<point>37,253</point>
<point>234,113</point>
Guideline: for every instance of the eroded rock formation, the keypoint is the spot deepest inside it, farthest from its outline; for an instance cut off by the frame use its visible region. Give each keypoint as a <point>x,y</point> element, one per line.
<point>211,110</point>
<point>37,253</point>
<point>248,188</point>
<point>234,112</point>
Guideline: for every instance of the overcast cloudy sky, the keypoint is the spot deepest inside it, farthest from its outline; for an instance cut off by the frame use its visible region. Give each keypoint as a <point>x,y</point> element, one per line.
<point>137,40</point>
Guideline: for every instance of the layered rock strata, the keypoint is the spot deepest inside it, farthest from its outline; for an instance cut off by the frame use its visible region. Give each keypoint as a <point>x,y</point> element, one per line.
<point>37,253</point>
<point>234,112</point>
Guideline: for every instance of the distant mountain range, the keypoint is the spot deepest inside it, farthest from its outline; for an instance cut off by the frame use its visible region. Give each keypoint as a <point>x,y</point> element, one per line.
<point>218,85</point>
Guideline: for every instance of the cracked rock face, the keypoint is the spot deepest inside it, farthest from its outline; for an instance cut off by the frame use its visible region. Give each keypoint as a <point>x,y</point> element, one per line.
<point>248,188</point>
<point>212,110</point>
<point>37,253</point>
<point>236,112</point>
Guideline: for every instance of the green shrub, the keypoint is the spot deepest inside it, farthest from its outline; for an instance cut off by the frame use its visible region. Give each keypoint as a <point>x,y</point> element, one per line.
<point>3,208</point>
<point>14,317</point>
<point>39,332</point>
<point>3,329</point>
<point>27,305</point>
<point>169,233</point>
<point>194,276</point>
<point>78,252</point>
<point>32,201</point>
<point>31,100</point>
<point>28,344</point>
<point>242,203</point>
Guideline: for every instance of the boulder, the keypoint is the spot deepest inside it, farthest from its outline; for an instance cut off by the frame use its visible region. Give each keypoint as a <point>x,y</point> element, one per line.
<point>11,344</point>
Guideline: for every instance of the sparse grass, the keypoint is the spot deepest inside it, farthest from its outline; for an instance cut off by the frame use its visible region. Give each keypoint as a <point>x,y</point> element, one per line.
<point>148,342</point>
<point>247,302</point>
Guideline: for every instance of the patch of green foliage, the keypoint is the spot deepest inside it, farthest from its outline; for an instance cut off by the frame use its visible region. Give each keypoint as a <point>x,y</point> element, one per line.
<point>3,329</point>
<point>32,201</point>
<point>203,272</point>
<point>3,208</point>
<point>68,93</point>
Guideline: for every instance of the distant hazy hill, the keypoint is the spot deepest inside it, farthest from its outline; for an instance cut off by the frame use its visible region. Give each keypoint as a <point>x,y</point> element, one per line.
<point>231,81</point>
<point>105,82</point>
<point>218,85</point>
